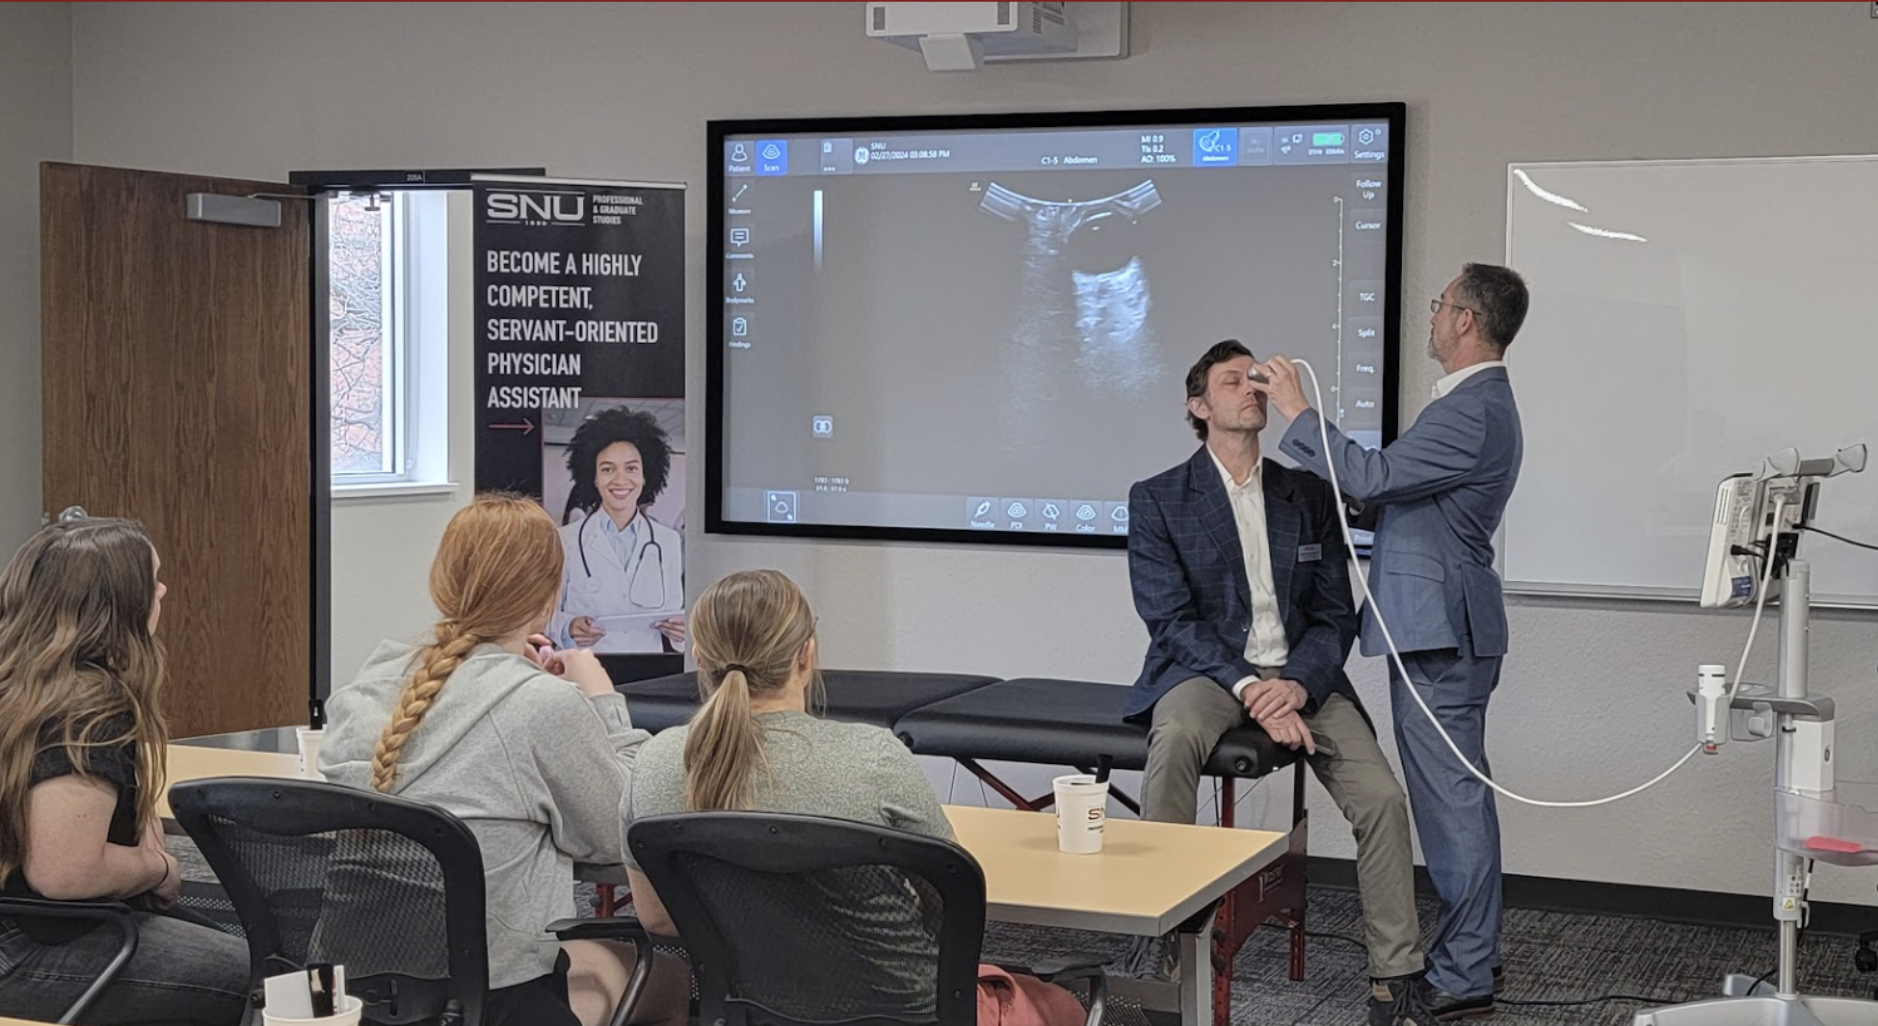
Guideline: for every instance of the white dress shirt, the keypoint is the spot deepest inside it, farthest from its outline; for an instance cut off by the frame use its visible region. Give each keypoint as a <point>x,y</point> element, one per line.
<point>1265,644</point>
<point>1453,381</point>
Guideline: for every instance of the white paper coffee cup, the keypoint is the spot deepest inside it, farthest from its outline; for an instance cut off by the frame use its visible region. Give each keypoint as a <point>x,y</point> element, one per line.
<point>309,739</point>
<point>351,1010</point>
<point>1081,812</point>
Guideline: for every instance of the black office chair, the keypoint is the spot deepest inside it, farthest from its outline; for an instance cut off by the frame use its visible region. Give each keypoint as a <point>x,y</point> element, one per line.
<point>115,914</point>
<point>392,889</point>
<point>806,921</point>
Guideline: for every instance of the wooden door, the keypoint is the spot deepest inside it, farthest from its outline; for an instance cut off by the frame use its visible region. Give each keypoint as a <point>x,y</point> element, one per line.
<point>176,362</point>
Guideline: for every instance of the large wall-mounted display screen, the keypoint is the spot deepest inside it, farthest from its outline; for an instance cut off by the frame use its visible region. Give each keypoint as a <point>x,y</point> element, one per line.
<point>978,328</point>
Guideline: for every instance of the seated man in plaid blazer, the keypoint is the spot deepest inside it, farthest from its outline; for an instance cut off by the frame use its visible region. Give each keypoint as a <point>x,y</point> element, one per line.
<point>1240,572</point>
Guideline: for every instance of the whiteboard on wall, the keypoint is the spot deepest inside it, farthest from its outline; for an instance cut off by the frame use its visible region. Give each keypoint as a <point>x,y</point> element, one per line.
<point>1688,318</point>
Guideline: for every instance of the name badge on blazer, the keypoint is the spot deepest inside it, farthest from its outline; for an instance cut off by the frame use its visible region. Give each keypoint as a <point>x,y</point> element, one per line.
<point>1310,553</point>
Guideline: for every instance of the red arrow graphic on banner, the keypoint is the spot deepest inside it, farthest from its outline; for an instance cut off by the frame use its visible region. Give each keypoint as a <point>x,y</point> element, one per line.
<point>525,427</point>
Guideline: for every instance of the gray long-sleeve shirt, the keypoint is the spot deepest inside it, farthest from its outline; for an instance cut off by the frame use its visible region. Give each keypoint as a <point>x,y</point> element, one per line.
<point>533,767</point>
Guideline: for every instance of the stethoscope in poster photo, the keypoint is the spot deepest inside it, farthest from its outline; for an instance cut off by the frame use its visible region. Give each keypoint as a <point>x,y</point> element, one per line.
<point>648,594</point>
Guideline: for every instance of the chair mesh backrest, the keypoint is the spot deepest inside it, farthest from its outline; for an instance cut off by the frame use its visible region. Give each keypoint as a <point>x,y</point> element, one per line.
<point>210,903</point>
<point>391,889</point>
<point>836,944</point>
<point>792,919</point>
<point>371,900</point>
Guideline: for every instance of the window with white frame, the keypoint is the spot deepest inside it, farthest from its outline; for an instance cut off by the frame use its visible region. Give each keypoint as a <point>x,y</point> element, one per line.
<point>387,314</point>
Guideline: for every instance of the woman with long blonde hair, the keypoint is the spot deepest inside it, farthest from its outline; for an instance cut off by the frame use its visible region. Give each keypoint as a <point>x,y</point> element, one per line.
<point>82,741</point>
<point>533,749</point>
<point>754,746</point>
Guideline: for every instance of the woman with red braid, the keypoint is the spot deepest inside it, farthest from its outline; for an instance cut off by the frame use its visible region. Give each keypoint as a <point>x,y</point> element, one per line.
<point>531,748</point>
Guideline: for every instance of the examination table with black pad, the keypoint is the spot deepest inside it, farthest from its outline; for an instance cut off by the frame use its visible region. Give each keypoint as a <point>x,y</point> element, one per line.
<point>879,698</point>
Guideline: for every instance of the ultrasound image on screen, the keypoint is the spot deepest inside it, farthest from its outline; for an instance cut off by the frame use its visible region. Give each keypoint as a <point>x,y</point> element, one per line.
<point>990,332</point>
<point>1084,300</point>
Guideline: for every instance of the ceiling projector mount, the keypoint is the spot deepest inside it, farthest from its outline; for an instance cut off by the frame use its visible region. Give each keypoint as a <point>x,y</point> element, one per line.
<point>963,36</point>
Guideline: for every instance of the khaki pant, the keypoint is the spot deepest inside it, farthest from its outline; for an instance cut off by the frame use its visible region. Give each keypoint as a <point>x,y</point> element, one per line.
<point>1188,722</point>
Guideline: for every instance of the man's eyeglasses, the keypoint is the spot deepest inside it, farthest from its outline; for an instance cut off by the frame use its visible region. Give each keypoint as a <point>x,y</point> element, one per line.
<point>1435,305</point>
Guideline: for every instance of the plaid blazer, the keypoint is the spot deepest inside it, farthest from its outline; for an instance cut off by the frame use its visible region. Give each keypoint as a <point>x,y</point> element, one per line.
<point>1187,570</point>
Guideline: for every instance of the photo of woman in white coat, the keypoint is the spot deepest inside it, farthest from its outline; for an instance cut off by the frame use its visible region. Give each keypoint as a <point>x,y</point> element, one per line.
<point>623,579</point>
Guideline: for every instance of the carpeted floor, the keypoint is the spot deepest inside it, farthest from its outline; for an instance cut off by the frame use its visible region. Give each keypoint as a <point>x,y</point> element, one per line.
<point>1550,956</point>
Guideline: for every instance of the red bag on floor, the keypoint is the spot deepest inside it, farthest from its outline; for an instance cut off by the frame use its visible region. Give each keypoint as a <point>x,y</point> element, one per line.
<point>1005,999</point>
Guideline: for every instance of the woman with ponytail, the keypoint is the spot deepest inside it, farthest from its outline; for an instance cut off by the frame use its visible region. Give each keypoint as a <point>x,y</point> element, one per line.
<point>82,739</point>
<point>754,746</point>
<point>531,748</point>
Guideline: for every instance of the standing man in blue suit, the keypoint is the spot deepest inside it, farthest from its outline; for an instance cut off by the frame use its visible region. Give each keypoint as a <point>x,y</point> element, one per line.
<point>1240,573</point>
<point>1442,488</point>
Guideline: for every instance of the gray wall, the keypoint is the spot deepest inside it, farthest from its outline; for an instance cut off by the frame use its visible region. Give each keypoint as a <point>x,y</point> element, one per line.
<point>1592,701</point>
<point>35,125</point>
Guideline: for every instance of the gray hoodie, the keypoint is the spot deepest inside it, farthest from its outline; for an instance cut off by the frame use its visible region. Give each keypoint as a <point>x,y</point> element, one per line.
<point>534,768</point>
